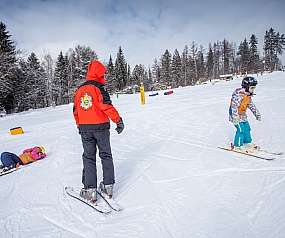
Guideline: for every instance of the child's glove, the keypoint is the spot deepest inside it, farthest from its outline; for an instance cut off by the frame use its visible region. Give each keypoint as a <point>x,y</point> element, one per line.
<point>258,118</point>
<point>236,121</point>
<point>120,126</point>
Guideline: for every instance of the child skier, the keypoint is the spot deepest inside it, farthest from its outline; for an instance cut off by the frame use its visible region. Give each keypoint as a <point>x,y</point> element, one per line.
<point>240,101</point>
<point>10,160</point>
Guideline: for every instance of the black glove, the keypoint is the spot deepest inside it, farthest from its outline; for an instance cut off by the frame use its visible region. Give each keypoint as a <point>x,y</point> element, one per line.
<point>120,126</point>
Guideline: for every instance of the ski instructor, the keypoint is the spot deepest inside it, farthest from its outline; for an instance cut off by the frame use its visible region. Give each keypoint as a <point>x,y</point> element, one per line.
<point>92,112</point>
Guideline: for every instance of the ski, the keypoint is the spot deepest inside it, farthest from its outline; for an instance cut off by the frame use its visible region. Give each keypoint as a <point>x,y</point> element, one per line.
<point>110,201</point>
<point>98,207</point>
<point>11,170</point>
<point>8,171</point>
<point>268,152</point>
<point>247,153</point>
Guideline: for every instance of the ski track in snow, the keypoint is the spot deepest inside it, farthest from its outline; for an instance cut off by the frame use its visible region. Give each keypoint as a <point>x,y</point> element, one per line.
<point>171,177</point>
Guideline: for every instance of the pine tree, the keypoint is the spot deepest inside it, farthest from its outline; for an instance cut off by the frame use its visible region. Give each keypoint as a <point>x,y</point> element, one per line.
<point>48,67</point>
<point>243,51</point>
<point>73,79</point>
<point>30,89</point>
<point>22,87</point>
<point>193,67</point>
<point>253,55</point>
<point>147,82</point>
<point>78,60</point>
<point>120,70</point>
<point>137,77</point>
<point>200,64</point>
<point>210,64</point>
<point>226,52</point>
<point>37,81</point>
<point>150,78</point>
<point>217,59</point>
<point>155,72</point>
<point>166,68</point>
<point>129,75</point>
<point>110,76</point>
<point>185,66</point>
<point>235,60</point>
<point>176,69</point>
<point>7,68</point>
<point>273,45</point>
<point>60,82</point>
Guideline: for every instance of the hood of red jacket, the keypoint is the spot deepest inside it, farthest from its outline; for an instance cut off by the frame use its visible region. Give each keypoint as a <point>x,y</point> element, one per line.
<point>96,72</point>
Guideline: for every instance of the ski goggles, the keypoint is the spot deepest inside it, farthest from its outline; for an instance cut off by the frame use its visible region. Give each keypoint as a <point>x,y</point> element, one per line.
<point>252,87</point>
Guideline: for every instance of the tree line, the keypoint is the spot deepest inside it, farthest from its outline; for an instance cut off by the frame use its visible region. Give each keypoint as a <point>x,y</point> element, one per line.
<point>30,83</point>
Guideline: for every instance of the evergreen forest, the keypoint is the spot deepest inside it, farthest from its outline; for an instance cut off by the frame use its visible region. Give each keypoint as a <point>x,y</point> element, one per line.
<point>28,83</point>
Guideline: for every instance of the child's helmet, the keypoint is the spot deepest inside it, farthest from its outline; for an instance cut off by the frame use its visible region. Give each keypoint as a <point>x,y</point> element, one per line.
<point>248,82</point>
<point>42,148</point>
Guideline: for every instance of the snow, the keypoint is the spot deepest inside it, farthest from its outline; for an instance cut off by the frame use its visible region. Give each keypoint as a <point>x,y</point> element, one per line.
<point>171,177</point>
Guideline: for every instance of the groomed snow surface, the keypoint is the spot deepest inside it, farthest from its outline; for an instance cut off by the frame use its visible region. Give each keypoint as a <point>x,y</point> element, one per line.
<point>171,177</point>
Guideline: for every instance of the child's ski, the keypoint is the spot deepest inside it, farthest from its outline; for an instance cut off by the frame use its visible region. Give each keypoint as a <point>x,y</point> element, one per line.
<point>100,207</point>
<point>268,152</point>
<point>247,153</point>
<point>8,171</point>
<point>18,166</point>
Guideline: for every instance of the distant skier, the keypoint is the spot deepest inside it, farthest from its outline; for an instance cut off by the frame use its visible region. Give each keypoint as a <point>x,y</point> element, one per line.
<point>240,101</point>
<point>92,112</point>
<point>10,160</point>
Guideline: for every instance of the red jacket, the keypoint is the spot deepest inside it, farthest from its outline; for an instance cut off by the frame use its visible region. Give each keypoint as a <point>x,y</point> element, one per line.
<point>92,104</point>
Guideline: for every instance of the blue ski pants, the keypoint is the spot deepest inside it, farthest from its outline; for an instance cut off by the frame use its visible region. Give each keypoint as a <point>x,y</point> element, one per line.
<point>91,141</point>
<point>8,158</point>
<point>242,133</point>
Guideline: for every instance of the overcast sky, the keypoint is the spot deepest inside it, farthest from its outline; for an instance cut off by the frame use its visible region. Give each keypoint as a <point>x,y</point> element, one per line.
<point>143,28</point>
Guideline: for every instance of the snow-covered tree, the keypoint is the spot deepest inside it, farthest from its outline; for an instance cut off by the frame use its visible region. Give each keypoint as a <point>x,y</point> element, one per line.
<point>253,55</point>
<point>37,81</point>
<point>274,44</point>
<point>30,89</point>
<point>78,60</point>
<point>120,70</point>
<point>176,69</point>
<point>226,54</point>
<point>110,76</point>
<point>60,82</point>
<point>165,62</point>
<point>185,59</point>
<point>243,52</point>
<point>210,63</point>
<point>155,71</point>
<point>48,67</point>
<point>217,59</point>
<point>8,68</point>
<point>200,64</point>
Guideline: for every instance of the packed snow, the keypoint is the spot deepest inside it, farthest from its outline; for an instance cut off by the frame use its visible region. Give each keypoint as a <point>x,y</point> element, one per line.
<point>171,177</point>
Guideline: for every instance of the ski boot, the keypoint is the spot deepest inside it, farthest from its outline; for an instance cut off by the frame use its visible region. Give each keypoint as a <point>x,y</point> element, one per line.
<point>238,148</point>
<point>106,190</point>
<point>251,146</point>
<point>241,149</point>
<point>7,168</point>
<point>89,194</point>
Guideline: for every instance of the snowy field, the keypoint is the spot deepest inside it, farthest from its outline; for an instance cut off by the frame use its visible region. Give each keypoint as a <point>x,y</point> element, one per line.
<point>171,177</point>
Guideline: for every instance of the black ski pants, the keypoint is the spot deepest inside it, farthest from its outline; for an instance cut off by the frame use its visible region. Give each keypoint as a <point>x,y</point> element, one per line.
<point>91,141</point>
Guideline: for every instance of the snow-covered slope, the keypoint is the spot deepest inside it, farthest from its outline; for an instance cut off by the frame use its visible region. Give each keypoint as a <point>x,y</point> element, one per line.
<point>170,175</point>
